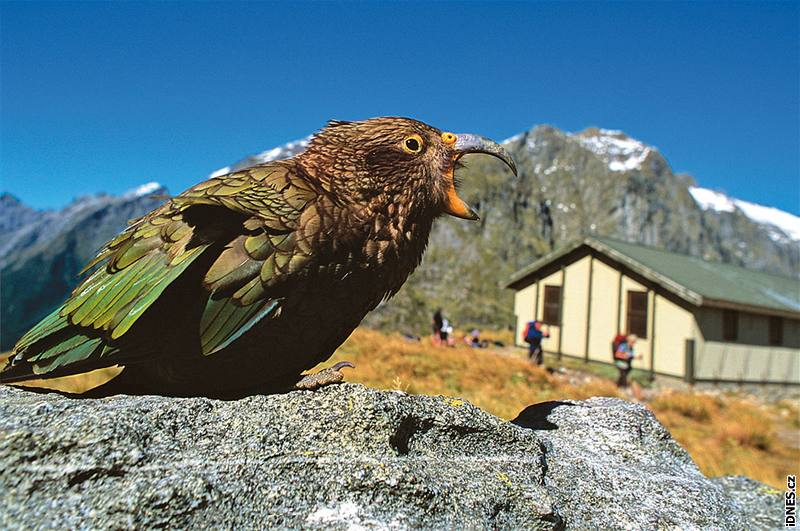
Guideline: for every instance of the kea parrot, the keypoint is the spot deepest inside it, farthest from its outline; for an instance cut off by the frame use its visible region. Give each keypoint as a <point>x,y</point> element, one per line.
<point>246,280</point>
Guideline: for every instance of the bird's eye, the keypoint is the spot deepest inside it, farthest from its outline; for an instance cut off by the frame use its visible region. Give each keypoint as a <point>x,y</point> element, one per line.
<point>412,144</point>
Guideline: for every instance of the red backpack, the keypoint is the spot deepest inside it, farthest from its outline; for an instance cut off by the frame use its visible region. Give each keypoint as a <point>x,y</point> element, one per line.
<point>618,340</point>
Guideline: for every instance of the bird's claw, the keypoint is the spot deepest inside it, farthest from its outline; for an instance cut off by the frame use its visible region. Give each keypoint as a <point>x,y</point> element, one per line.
<point>331,375</point>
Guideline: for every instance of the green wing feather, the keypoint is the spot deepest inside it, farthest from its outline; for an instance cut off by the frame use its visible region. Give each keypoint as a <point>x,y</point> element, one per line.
<point>224,321</point>
<point>112,298</point>
<point>137,266</point>
<point>241,278</point>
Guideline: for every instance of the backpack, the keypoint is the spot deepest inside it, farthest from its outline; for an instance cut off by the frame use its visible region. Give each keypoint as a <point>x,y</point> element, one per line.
<point>531,334</point>
<point>619,339</point>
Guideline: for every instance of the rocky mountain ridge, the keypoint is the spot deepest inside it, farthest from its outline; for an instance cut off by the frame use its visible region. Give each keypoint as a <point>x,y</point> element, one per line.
<point>597,181</point>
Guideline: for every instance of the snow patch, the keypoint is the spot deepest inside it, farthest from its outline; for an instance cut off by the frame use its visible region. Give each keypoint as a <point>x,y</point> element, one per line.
<point>620,152</point>
<point>711,200</point>
<point>270,154</point>
<point>277,153</point>
<point>145,189</point>
<point>284,151</point>
<point>220,172</point>
<point>787,223</point>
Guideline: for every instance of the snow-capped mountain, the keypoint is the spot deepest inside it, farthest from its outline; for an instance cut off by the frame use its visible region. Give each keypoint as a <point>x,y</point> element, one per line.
<point>622,153</point>
<point>145,189</point>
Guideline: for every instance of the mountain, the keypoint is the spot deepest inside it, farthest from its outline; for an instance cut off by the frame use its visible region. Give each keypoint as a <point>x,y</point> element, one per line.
<point>605,182</point>
<point>597,181</point>
<point>42,251</point>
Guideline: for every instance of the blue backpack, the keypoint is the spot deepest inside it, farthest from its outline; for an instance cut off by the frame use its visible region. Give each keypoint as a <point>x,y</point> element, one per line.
<point>531,334</point>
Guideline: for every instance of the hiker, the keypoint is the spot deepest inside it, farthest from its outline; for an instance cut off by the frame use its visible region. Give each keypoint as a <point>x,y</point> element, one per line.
<point>474,339</point>
<point>445,333</point>
<point>533,337</point>
<point>438,322</point>
<point>624,354</point>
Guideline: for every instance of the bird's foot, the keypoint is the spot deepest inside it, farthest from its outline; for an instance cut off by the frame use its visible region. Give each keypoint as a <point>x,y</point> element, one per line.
<point>328,376</point>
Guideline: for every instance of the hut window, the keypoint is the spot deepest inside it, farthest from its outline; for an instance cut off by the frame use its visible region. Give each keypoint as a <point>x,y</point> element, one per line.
<point>775,331</point>
<point>637,313</point>
<point>552,305</point>
<point>730,325</point>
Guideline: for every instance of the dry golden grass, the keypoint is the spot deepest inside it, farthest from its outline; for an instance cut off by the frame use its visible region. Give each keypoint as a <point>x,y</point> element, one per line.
<point>725,435</point>
<point>730,435</point>
<point>501,384</point>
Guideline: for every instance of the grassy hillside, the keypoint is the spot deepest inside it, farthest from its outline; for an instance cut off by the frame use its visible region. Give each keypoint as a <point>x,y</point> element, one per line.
<point>725,434</point>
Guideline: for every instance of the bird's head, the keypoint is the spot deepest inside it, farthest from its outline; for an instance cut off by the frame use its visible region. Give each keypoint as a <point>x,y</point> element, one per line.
<point>403,159</point>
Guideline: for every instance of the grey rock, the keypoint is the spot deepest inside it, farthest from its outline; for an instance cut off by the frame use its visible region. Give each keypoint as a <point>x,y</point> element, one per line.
<point>352,457</point>
<point>756,501</point>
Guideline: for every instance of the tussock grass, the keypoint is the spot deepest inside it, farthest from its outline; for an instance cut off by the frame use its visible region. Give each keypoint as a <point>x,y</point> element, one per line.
<point>502,384</point>
<point>730,435</point>
<point>693,406</point>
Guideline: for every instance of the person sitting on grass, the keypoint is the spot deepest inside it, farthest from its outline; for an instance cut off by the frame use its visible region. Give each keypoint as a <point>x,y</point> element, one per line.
<point>474,339</point>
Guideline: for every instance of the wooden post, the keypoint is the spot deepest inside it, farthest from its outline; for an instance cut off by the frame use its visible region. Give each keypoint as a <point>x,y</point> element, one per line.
<point>653,338</point>
<point>619,305</point>
<point>561,309</point>
<point>588,309</point>
<point>688,369</point>
<point>536,302</point>
<point>516,329</point>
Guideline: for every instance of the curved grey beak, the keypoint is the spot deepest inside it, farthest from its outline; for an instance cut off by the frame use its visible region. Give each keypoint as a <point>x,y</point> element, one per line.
<point>469,143</point>
<point>463,144</point>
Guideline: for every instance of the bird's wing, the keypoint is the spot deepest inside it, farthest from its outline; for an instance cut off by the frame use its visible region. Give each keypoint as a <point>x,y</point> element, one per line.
<point>244,281</point>
<point>253,211</point>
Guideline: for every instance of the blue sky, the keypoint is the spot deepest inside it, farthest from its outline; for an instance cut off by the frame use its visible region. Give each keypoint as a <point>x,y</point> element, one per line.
<point>105,96</point>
